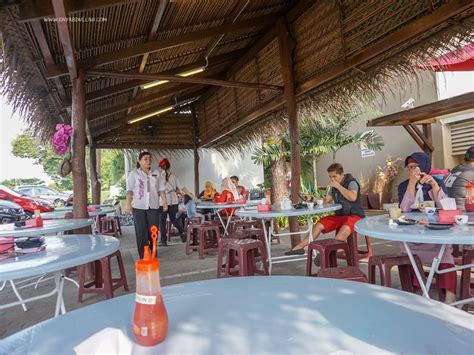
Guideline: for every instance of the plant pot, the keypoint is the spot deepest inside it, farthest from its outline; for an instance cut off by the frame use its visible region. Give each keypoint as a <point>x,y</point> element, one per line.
<point>364,201</point>
<point>65,168</point>
<point>374,201</point>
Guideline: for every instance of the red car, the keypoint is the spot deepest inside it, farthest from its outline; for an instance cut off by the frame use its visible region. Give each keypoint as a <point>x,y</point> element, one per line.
<point>29,204</point>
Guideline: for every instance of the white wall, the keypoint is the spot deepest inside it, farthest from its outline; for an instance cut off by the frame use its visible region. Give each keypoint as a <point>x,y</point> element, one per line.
<point>398,142</point>
<point>214,167</point>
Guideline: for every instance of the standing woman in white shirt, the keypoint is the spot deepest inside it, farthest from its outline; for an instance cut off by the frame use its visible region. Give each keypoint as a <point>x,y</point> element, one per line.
<point>172,186</point>
<point>143,190</point>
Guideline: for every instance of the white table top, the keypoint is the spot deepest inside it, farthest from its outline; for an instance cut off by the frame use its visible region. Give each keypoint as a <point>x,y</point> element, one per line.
<point>69,208</point>
<point>219,205</point>
<point>62,214</point>
<point>61,253</point>
<point>49,227</point>
<point>289,213</point>
<point>262,315</point>
<point>378,227</point>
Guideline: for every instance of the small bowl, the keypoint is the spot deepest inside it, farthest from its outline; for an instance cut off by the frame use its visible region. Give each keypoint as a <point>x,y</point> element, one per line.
<point>319,202</point>
<point>430,211</point>
<point>310,205</point>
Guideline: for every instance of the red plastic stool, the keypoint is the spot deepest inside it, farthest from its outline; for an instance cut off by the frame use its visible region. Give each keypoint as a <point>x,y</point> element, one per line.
<point>385,263</point>
<point>108,226</point>
<point>357,253</point>
<point>327,249</point>
<point>243,250</point>
<point>117,223</point>
<point>202,237</point>
<point>350,273</point>
<point>242,224</point>
<point>222,251</point>
<point>466,284</point>
<point>103,281</point>
<point>252,233</point>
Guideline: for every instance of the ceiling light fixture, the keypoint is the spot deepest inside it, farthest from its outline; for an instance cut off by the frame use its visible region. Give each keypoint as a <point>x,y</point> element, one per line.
<point>185,74</point>
<point>141,118</point>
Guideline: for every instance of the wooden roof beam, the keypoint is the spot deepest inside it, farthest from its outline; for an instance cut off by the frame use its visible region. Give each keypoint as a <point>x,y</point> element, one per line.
<point>155,46</point>
<point>32,10</point>
<point>119,145</point>
<point>180,79</point>
<point>406,33</point>
<point>139,101</point>
<point>65,37</point>
<point>425,112</point>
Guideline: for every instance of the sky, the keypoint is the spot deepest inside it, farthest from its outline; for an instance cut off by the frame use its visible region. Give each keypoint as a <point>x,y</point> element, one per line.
<point>10,166</point>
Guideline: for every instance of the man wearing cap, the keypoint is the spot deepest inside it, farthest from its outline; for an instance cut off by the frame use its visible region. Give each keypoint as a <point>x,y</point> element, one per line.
<point>458,177</point>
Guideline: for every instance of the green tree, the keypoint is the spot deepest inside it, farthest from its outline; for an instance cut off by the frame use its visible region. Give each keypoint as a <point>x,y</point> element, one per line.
<point>11,183</point>
<point>317,137</point>
<point>26,146</point>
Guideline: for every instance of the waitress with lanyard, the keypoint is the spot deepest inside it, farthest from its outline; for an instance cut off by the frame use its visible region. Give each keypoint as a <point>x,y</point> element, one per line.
<point>143,187</point>
<point>172,186</point>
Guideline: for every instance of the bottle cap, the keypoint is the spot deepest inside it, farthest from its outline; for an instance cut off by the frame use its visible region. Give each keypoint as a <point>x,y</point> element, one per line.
<point>147,264</point>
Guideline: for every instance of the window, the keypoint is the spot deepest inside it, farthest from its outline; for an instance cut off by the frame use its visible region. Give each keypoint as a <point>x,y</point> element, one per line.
<point>462,136</point>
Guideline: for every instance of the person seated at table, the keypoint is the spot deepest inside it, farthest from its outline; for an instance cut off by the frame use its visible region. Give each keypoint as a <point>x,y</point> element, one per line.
<point>228,194</point>
<point>458,177</point>
<point>344,190</point>
<point>209,192</point>
<point>240,189</point>
<point>420,187</point>
<point>190,211</point>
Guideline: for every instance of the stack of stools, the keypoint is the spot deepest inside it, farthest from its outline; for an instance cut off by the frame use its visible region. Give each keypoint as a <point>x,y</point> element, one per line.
<point>328,252</point>
<point>109,226</point>
<point>103,281</point>
<point>202,237</point>
<point>466,284</point>
<point>243,250</point>
<point>385,263</point>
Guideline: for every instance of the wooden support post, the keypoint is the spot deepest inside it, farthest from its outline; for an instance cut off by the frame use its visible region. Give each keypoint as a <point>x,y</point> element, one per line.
<point>195,150</point>
<point>286,45</point>
<point>79,178</point>
<point>93,168</point>
<point>429,138</point>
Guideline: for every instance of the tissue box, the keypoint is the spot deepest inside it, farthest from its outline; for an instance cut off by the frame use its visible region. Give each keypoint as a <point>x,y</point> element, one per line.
<point>35,222</point>
<point>447,216</point>
<point>241,200</point>
<point>7,244</point>
<point>263,208</point>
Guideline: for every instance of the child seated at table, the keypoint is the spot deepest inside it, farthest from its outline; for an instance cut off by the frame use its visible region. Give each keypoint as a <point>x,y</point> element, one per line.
<point>190,206</point>
<point>420,187</point>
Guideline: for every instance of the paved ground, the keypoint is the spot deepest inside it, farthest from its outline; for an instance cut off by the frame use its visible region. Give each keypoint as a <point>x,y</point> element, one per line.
<point>176,267</point>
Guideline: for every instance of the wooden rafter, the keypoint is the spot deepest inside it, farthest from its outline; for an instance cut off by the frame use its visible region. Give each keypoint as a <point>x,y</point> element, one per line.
<point>414,29</point>
<point>32,10</point>
<point>180,79</point>
<point>139,101</point>
<point>118,145</point>
<point>155,46</point>
<point>425,112</point>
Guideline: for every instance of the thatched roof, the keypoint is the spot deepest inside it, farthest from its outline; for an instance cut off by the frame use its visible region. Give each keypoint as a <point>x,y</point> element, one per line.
<point>345,52</point>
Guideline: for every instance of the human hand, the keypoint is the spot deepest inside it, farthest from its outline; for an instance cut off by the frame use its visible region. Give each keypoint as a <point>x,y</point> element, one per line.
<point>128,209</point>
<point>165,207</point>
<point>335,184</point>
<point>414,174</point>
<point>427,179</point>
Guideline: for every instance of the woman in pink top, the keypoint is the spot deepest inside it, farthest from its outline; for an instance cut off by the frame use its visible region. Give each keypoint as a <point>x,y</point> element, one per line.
<point>418,166</point>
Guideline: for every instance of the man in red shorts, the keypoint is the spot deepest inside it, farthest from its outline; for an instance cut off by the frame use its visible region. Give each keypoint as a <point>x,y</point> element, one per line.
<point>344,190</point>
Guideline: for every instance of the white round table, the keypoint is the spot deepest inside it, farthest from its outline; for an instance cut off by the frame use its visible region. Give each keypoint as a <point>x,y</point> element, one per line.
<point>62,214</point>
<point>61,252</point>
<point>265,216</point>
<point>70,208</point>
<point>378,227</point>
<point>49,227</point>
<point>219,206</point>
<point>262,315</point>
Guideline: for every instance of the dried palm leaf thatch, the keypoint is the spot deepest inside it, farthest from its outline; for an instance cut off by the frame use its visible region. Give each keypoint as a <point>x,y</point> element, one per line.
<point>20,77</point>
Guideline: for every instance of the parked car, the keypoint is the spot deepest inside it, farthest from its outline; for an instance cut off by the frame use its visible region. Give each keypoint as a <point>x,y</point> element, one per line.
<point>11,212</point>
<point>58,199</point>
<point>28,204</point>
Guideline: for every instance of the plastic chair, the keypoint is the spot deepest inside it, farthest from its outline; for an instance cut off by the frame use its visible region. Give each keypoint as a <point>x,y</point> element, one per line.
<point>243,251</point>
<point>327,249</point>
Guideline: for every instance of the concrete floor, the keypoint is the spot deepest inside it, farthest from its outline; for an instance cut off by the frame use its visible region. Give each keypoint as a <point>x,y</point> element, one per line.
<point>175,267</point>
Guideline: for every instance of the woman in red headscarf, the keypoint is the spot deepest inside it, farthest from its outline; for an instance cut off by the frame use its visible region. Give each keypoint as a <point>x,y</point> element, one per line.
<point>172,186</point>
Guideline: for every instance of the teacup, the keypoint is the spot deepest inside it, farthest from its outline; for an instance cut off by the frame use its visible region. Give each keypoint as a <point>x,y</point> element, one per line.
<point>429,211</point>
<point>394,213</point>
<point>461,219</point>
<point>310,204</point>
<point>319,202</point>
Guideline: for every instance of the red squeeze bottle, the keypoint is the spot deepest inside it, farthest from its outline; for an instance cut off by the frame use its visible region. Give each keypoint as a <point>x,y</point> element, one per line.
<point>469,200</point>
<point>150,320</point>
